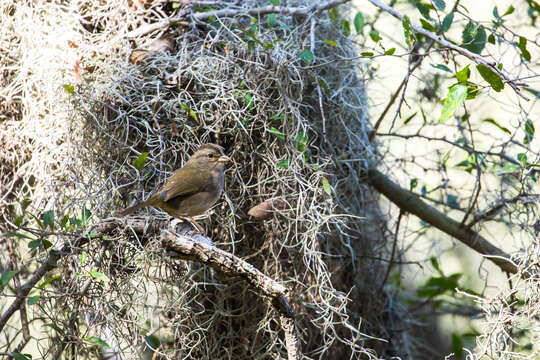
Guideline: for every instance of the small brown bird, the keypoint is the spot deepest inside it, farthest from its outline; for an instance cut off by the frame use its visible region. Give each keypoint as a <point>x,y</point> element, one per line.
<point>192,189</point>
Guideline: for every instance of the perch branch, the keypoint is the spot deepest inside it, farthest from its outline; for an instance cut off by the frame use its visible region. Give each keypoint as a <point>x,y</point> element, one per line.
<point>474,57</point>
<point>181,241</point>
<point>409,202</point>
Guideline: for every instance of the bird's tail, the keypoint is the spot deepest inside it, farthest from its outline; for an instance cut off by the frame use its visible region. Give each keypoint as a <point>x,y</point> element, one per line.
<point>129,210</point>
<point>149,202</point>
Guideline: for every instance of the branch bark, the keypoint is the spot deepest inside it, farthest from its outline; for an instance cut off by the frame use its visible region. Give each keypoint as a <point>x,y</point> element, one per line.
<point>409,202</point>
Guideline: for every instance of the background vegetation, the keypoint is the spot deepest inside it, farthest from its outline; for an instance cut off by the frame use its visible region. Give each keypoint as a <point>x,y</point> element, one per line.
<point>322,106</point>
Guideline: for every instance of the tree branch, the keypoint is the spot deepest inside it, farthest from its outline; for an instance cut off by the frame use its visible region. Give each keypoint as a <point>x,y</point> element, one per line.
<point>179,238</point>
<point>409,202</point>
<point>264,10</point>
<point>474,57</point>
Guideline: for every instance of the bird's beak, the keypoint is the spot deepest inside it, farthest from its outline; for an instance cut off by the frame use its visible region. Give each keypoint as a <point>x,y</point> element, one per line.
<point>224,159</point>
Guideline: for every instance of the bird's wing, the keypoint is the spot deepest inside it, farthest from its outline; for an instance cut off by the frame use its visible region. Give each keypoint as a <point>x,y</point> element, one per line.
<point>192,181</point>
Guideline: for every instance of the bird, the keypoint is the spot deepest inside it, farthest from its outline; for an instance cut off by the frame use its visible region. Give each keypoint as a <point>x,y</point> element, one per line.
<point>192,189</point>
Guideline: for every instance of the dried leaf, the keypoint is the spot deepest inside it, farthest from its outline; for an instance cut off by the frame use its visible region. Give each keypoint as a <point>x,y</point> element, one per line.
<point>266,208</point>
<point>137,56</point>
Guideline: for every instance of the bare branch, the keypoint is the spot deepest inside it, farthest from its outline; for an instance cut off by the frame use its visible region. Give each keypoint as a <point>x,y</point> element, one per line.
<point>409,202</point>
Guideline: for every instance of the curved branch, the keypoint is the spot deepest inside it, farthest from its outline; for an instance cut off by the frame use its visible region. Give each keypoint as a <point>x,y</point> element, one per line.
<point>409,202</point>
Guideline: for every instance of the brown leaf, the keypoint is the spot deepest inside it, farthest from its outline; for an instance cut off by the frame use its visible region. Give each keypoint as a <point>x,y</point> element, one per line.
<point>162,45</point>
<point>137,56</point>
<point>77,73</point>
<point>266,208</point>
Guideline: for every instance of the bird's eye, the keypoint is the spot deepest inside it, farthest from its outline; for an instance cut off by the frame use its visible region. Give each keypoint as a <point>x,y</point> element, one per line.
<point>210,156</point>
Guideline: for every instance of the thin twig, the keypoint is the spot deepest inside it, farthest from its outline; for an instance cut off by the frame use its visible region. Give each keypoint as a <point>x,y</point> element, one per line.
<point>394,245</point>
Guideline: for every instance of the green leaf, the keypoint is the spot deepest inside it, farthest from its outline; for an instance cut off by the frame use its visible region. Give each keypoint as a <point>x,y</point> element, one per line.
<point>75,221</point>
<point>32,300</point>
<point>70,89</point>
<point>529,132</point>
<point>454,100</point>
<point>333,14</point>
<point>277,133</point>
<point>49,280</point>
<point>48,218</point>
<point>366,53</point>
<point>523,48</point>
<point>283,164</point>
<point>271,20</point>
<point>440,4</point>
<point>34,244</point>
<point>274,2</point>
<point>507,169</point>
<point>473,37</point>
<point>435,264</point>
<point>7,276</point>
<point>457,346</point>
<point>140,161</point>
<point>472,90</point>
<point>491,39</point>
<point>85,214</point>
<point>19,356</point>
<point>463,74</point>
<point>413,183</point>
<point>64,221</point>
<point>99,276</point>
<point>509,11</point>
<point>19,220</point>
<point>301,141</point>
<point>359,22</point>
<point>535,93</point>
<point>452,201</point>
<point>407,30</point>
<point>190,111</point>
<point>522,157</point>
<point>390,51</point>
<point>409,118</point>
<point>493,122</point>
<point>326,186</point>
<point>19,235</point>
<point>330,42</point>
<point>307,56</point>
<point>491,77</point>
<point>439,285</point>
<point>442,67</point>
<point>82,258</point>
<point>427,25</point>
<point>496,13</point>
<point>447,22</point>
<point>374,35</point>
<point>324,85</point>
<point>248,98</point>
<point>97,341</point>
<point>424,10</point>
<point>345,27</point>
<point>46,244</point>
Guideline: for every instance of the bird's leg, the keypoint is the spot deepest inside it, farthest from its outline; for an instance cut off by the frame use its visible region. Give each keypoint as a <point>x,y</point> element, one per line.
<point>199,227</point>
